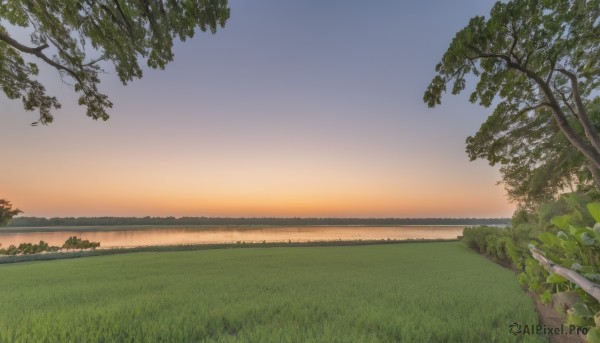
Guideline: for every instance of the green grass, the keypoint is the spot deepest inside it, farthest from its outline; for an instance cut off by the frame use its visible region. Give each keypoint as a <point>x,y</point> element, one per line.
<point>421,292</point>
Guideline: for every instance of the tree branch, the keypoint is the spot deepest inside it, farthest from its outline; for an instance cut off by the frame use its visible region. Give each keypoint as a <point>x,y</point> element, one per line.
<point>151,19</point>
<point>584,119</point>
<point>591,152</point>
<point>566,101</point>
<point>127,23</point>
<point>111,14</point>
<point>38,52</point>
<point>514,43</point>
<point>552,65</point>
<point>92,62</point>
<point>21,47</point>
<point>535,107</point>
<point>528,55</point>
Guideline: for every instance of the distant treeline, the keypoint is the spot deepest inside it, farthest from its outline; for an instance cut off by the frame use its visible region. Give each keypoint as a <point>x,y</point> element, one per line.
<point>107,221</point>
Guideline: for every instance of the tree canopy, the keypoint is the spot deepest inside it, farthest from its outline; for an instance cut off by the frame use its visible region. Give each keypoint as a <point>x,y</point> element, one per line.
<point>538,63</point>
<point>81,34</point>
<point>7,212</point>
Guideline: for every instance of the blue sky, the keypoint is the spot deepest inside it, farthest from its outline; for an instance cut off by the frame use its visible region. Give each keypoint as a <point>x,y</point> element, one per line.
<point>295,108</point>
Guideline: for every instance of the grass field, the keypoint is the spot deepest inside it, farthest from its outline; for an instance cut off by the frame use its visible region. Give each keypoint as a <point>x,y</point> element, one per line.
<point>420,292</point>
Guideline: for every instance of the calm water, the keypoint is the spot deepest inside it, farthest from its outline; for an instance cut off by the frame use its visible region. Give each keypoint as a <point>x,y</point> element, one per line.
<point>142,236</point>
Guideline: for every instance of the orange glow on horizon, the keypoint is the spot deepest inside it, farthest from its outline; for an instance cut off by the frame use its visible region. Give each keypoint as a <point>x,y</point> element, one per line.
<point>307,186</point>
<point>257,201</point>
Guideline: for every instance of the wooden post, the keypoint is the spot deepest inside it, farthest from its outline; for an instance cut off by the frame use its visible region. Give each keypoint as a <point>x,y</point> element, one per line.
<point>585,284</point>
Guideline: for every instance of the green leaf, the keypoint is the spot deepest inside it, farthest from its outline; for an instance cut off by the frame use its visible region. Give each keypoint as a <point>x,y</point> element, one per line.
<point>582,310</point>
<point>555,278</point>
<point>595,234</point>
<point>574,319</point>
<point>575,231</point>
<point>586,239</point>
<point>594,209</point>
<point>561,221</point>
<point>562,235</point>
<point>593,335</point>
<point>549,239</point>
<point>592,276</point>
<point>570,246</point>
<point>588,270</point>
<point>546,297</point>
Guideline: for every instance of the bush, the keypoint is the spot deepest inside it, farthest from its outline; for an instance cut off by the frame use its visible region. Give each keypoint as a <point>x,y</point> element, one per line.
<point>567,232</point>
<point>493,242</point>
<point>476,237</point>
<point>29,248</point>
<point>76,243</point>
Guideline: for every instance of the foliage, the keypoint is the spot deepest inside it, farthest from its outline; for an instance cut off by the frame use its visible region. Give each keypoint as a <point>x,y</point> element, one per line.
<point>573,246</point>
<point>572,205</point>
<point>83,34</point>
<point>30,249</point>
<point>76,243</point>
<point>490,241</point>
<point>538,63</point>
<point>557,227</point>
<point>559,233</point>
<point>7,212</point>
<point>546,297</point>
<point>568,233</point>
<point>433,292</point>
<point>505,245</point>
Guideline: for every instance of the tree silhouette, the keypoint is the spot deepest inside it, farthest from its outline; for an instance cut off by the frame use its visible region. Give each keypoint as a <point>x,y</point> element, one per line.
<point>82,34</point>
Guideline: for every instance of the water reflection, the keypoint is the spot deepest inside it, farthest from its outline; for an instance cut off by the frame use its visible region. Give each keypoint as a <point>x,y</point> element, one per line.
<point>126,237</point>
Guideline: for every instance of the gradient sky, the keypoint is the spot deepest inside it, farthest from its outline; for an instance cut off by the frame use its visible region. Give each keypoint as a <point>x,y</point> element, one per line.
<point>296,108</point>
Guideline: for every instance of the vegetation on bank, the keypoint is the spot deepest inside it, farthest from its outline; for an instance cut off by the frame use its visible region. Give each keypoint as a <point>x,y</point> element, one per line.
<point>106,221</point>
<point>71,243</point>
<point>567,232</point>
<point>207,246</point>
<point>536,64</point>
<point>433,292</point>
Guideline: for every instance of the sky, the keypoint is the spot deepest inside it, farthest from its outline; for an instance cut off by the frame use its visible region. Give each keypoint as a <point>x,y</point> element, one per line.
<point>296,108</point>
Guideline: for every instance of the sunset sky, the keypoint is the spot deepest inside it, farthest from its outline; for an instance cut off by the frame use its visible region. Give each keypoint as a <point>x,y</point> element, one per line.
<point>295,108</point>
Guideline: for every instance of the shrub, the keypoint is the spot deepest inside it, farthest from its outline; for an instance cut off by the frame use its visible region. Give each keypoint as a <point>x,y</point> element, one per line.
<point>494,242</point>
<point>76,243</point>
<point>29,248</point>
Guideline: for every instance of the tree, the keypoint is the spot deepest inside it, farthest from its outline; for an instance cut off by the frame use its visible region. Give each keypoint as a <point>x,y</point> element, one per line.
<point>83,33</point>
<point>537,161</point>
<point>538,63</point>
<point>7,212</point>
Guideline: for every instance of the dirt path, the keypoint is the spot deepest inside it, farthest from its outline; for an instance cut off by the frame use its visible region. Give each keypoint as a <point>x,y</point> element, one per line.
<point>548,317</point>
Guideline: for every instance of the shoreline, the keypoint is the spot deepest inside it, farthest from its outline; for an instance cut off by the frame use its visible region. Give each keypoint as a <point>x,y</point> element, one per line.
<point>6,259</point>
<point>141,227</point>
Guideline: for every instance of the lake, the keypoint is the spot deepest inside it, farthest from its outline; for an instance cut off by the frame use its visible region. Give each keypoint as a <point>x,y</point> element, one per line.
<point>141,235</point>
